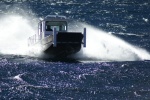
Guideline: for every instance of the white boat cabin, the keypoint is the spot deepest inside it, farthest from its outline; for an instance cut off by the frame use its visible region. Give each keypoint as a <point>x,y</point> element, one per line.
<point>51,25</point>
<point>46,26</point>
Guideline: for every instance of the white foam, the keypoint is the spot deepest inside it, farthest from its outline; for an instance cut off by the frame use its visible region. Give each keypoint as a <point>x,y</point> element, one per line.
<point>106,47</point>
<point>14,32</point>
<point>145,19</point>
<point>18,77</point>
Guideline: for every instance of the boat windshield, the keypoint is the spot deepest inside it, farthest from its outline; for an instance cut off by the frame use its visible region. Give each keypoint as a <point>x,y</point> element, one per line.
<point>59,25</point>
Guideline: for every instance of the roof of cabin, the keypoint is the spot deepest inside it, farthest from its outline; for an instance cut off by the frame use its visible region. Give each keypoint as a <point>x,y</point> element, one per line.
<point>54,18</point>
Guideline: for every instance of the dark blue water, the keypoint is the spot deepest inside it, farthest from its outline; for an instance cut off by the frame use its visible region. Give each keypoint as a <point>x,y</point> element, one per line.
<point>31,78</point>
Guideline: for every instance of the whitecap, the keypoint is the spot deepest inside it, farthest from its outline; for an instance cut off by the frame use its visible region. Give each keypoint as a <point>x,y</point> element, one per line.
<point>18,77</point>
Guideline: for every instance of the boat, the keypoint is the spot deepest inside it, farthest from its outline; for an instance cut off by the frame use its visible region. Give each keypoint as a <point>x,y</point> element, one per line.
<point>54,39</point>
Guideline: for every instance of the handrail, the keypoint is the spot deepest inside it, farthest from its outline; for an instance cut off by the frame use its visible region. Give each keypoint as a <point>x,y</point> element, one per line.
<point>33,39</point>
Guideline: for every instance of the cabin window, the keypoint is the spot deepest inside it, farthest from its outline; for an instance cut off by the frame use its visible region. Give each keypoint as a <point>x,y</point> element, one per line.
<point>59,25</point>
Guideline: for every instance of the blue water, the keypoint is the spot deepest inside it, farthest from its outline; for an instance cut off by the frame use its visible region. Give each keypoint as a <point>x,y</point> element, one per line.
<point>113,75</point>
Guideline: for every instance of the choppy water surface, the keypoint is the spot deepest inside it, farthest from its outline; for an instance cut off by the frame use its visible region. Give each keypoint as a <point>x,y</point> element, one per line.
<point>114,66</point>
<point>26,78</point>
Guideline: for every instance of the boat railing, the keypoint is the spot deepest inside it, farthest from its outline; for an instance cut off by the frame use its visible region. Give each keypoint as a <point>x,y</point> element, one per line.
<point>33,39</point>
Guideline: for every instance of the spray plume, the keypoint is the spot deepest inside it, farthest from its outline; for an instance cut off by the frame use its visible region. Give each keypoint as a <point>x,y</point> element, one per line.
<point>106,47</point>
<point>14,32</point>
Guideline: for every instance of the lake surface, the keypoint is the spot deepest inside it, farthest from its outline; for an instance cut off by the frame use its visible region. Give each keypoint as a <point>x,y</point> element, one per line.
<point>115,65</point>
